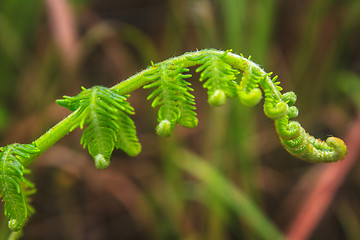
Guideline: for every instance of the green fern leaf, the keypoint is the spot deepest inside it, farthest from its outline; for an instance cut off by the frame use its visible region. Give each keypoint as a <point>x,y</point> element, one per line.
<point>173,95</point>
<point>219,77</point>
<point>109,125</point>
<point>12,180</point>
<point>248,90</point>
<point>274,107</point>
<point>73,103</point>
<point>126,134</point>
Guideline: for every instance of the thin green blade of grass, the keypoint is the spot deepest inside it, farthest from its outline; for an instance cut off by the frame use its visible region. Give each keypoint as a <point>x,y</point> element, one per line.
<point>234,17</point>
<point>140,41</point>
<point>263,19</point>
<point>229,195</point>
<point>347,218</point>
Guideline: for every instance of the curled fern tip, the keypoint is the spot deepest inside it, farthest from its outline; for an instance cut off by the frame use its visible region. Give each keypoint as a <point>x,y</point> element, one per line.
<point>250,99</point>
<point>339,146</point>
<point>164,128</point>
<point>101,162</point>
<point>218,98</point>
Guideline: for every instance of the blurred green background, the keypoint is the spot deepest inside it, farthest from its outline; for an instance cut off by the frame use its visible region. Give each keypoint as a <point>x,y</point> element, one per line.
<point>229,178</point>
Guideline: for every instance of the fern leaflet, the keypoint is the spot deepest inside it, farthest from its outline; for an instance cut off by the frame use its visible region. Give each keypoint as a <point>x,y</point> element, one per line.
<point>274,107</point>
<point>13,184</point>
<point>219,77</point>
<point>109,125</point>
<point>173,95</point>
<point>248,90</point>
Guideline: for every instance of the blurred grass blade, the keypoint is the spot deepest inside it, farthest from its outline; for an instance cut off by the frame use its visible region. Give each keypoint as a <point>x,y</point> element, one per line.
<point>139,41</point>
<point>348,219</point>
<point>10,41</point>
<point>234,14</point>
<point>229,195</point>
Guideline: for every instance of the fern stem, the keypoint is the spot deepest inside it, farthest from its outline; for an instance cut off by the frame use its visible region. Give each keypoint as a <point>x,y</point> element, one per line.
<point>53,135</point>
<point>236,61</point>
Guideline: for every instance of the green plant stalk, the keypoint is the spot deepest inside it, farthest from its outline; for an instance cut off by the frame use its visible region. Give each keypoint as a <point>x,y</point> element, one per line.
<point>53,135</point>
<point>238,62</point>
<point>234,15</point>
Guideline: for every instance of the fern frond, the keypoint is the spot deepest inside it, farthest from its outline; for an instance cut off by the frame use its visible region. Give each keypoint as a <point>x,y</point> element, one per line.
<point>104,113</point>
<point>29,190</point>
<point>218,75</point>
<point>173,95</point>
<point>274,107</point>
<point>12,183</point>
<point>290,98</point>
<point>248,90</point>
<point>109,125</point>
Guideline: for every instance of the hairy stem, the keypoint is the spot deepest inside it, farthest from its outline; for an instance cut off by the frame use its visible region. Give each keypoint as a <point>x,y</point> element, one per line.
<point>236,61</point>
<point>53,135</point>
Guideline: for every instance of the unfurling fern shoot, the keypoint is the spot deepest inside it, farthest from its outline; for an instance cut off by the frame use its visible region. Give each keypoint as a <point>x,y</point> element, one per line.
<point>103,113</point>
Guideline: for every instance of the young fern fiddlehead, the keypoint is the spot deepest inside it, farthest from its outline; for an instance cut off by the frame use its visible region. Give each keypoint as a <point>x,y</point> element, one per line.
<point>103,112</point>
<point>299,143</point>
